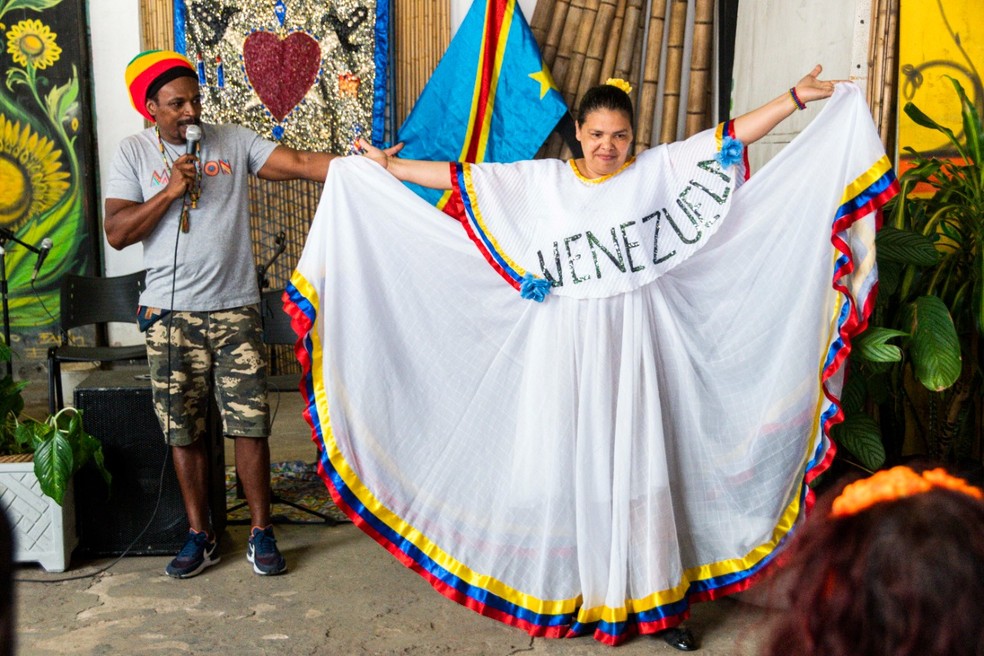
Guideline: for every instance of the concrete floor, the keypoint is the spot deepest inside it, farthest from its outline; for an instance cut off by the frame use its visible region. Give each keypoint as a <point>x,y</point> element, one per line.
<point>343,594</point>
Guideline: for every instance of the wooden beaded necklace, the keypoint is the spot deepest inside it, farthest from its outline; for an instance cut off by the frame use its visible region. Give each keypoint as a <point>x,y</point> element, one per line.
<point>190,200</point>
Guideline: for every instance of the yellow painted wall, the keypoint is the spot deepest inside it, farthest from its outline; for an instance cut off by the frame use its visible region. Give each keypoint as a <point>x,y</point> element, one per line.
<point>938,38</point>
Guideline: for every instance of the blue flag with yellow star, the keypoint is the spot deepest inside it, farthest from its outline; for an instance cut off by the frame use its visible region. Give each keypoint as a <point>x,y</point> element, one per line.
<point>490,99</point>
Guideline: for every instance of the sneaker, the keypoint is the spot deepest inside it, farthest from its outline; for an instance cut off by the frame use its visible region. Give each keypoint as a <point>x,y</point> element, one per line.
<point>196,554</point>
<point>263,553</point>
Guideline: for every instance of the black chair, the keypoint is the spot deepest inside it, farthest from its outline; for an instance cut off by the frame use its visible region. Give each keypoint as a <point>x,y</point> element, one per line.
<point>93,300</point>
<point>277,331</point>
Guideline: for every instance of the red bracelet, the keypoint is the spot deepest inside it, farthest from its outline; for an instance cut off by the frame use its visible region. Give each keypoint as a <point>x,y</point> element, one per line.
<point>799,103</point>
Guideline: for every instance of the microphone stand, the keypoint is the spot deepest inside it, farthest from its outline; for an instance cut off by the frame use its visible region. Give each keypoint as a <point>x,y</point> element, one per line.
<point>5,236</point>
<point>280,242</point>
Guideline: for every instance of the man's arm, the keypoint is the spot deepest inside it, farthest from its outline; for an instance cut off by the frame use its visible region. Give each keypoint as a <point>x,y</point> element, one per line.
<point>288,164</point>
<point>128,222</point>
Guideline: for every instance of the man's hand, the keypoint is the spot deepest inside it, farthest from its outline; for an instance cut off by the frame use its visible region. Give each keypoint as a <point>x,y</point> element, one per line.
<point>182,176</point>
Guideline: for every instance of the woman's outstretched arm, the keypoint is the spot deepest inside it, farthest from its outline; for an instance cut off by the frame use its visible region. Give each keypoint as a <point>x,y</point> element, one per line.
<point>757,123</point>
<point>436,175</point>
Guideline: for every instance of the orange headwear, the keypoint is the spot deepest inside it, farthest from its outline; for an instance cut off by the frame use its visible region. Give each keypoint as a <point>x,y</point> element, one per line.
<point>896,483</point>
<point>149,71</point>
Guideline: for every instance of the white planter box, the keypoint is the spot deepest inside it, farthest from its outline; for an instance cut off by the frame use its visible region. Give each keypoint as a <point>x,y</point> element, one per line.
<point>44,532</point>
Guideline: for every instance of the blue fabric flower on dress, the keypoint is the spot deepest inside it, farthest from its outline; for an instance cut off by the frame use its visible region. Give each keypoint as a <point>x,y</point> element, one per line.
<point>731,152</point>
<point>533,288</point>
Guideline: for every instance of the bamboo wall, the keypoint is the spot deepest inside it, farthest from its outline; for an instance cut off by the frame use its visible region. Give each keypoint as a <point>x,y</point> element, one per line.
<point>585,42</point>
<point>883,69</point>
<point>421,33</point>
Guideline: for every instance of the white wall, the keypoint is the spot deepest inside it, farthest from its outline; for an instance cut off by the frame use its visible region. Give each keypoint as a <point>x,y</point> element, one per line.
<point>114,29</point>
<point>780,41</point>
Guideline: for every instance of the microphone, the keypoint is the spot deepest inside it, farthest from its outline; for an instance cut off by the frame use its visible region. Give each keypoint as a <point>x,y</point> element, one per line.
<point>192,136</point>
<point>43,251</point>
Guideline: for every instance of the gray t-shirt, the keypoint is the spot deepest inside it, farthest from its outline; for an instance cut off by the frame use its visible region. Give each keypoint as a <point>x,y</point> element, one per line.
<point>215,268</point>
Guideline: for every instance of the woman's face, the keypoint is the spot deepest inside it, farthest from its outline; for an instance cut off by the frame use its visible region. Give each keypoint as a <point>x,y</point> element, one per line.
<point>605,137</point>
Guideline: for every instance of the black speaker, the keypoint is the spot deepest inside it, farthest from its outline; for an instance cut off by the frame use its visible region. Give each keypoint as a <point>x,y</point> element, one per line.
<point>117,408</point>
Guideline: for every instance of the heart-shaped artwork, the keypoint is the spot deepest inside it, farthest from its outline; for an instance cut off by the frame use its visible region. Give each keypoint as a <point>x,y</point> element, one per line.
<point>280,70</point>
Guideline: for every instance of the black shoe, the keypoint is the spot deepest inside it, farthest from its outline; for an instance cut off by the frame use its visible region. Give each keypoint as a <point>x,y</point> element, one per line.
<point>679,637</point>
<point>197,554</point>
<point>263,553</point>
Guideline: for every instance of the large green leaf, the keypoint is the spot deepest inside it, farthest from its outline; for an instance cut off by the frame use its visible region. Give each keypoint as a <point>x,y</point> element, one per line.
<point>971,122</point>
<point>934,346</point>
<point>905,247</point>
<point>919,118</point>
<point>872,345</point>
<point>859,434</point>
<point>923,168</point>
<point>53,464</point>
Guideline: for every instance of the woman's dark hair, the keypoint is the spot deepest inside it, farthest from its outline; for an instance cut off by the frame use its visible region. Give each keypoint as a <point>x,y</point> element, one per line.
<point>604,96</point>
<point>903,577</point>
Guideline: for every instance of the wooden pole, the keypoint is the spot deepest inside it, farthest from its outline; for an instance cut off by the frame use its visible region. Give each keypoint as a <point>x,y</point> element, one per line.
<point>674,70</point>
<point>582,42</point>
<point>629,43</point>
<point>401,67</point>
<point>557,22</point>
<point>591,73</point>
<point>635,75</point>
<point>566,47</point>
<point>413,43</point>
<point>876,51</point>
<point>646,107</point>
<point>698,96</point>
<point>614,37</point>
<point>887,119</point>
<point>540,21</point>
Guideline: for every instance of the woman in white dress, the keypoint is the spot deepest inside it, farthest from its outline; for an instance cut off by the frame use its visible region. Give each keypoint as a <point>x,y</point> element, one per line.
<point>635,429</point>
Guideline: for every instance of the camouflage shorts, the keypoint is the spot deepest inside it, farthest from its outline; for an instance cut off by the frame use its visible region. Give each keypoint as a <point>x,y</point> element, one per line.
<point>225,347</point>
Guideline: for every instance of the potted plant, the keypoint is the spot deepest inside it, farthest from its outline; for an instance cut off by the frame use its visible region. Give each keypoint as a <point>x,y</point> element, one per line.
<point>915,374</point>
<point>37,462</point>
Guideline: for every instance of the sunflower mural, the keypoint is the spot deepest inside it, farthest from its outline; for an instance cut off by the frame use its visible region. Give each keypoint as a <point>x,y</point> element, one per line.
<point>41,191</point>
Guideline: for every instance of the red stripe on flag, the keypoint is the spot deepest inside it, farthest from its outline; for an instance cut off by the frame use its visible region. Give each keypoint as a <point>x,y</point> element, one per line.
<point>493,32</point>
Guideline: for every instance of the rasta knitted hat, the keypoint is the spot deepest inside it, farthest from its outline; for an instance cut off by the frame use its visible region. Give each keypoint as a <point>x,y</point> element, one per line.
<point>149,71</point>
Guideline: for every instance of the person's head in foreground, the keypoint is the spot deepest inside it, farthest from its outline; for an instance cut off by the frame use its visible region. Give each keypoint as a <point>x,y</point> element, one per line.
<point>896,568</point>
<point>604,128</point>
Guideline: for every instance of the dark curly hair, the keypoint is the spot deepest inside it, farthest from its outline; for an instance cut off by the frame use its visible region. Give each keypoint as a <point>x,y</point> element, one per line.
<point>904,578</point>
<point>604,96</point>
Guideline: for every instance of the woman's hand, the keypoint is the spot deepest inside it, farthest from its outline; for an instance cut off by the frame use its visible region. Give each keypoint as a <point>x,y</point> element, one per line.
<point>436,175</point>
<point>811,88</point>
<point>754,125</point>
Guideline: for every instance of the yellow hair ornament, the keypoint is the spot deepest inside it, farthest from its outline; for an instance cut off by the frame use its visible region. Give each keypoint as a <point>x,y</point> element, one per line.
<point>620,84</point>
<point>896,483</point>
